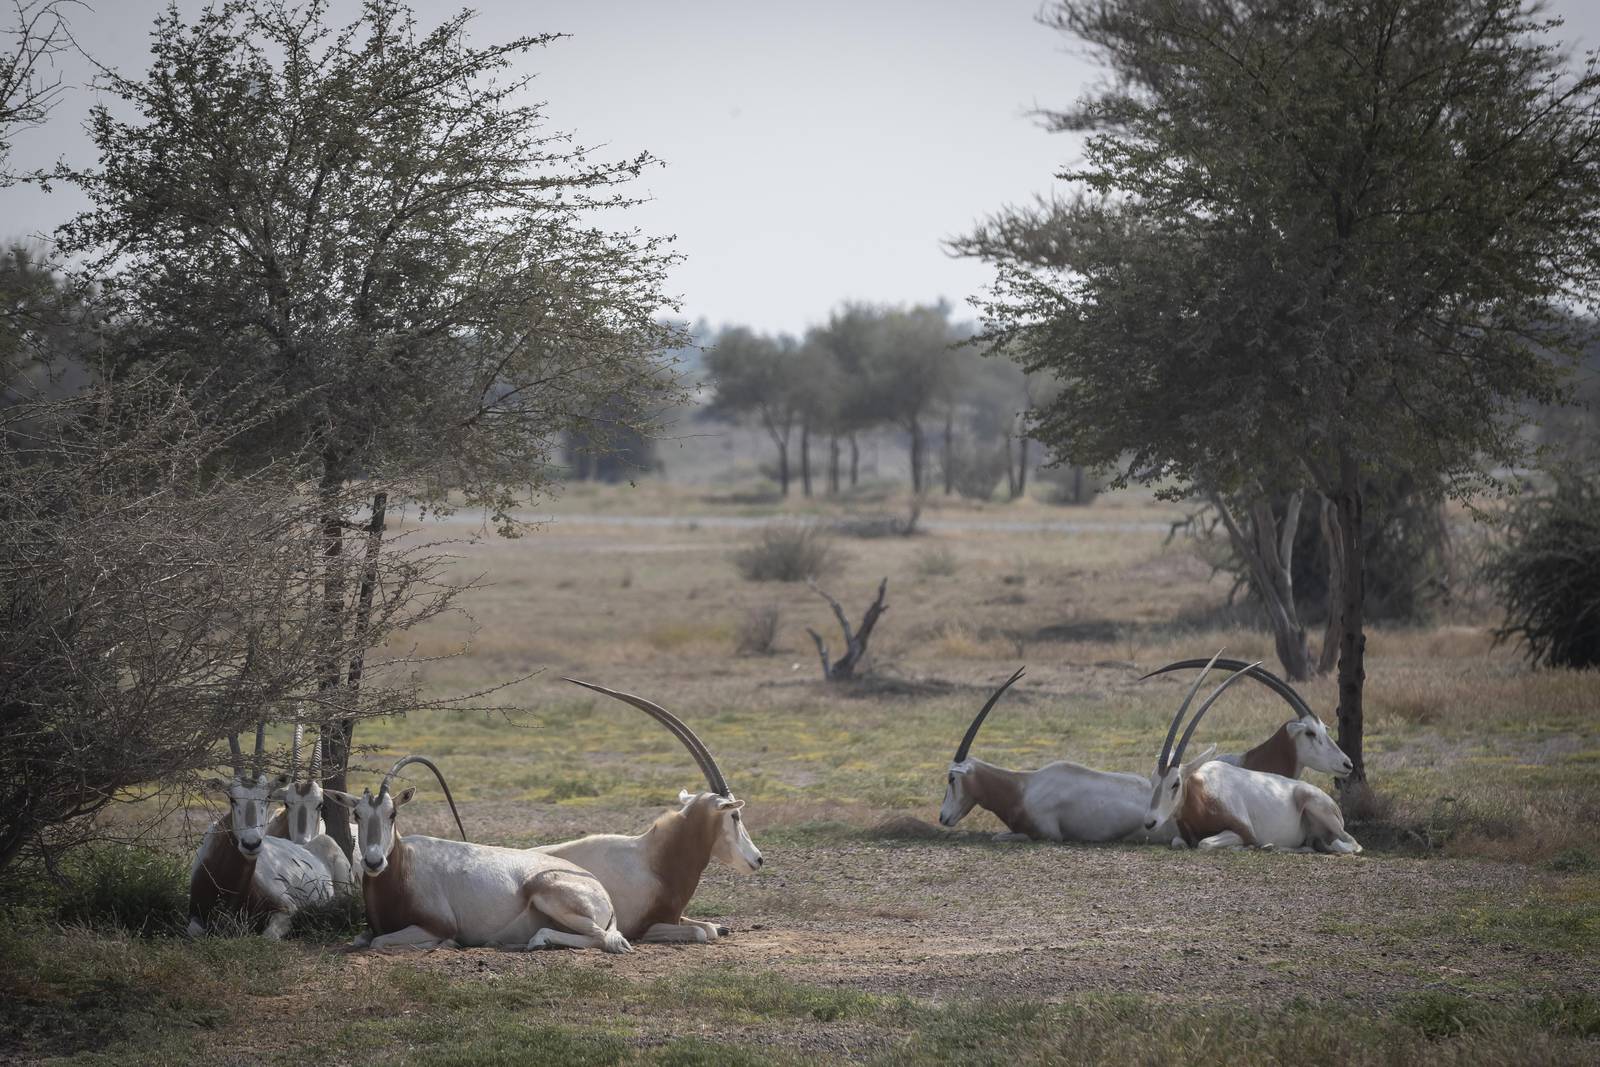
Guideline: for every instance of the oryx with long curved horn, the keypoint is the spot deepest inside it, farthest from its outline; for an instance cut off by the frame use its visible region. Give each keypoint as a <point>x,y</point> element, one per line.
<point>1060,801</point>
<point>652,876</point>
<point>1302,742</point>
<point>239,868</point>
<point>428,892</point>
<point>301,818</point>
<point>1221,805</point>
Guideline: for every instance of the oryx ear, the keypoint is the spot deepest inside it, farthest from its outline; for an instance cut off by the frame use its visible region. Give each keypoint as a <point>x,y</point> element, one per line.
<point>961,768</point>
<point>1296,728</point>
<point>729,804</point>
<point>345,799</point>
<point>1211,750</point>
<point>684,796</point>
<point>405,795</point>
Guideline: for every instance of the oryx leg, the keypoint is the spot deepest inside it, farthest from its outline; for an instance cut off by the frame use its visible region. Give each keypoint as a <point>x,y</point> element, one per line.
<point>1012,836</point>
<point>196,928</point>
<point>713,930</point>
<point>675,934</point>
<point>278,925</point>
<point>1323,824</point>
<point>575,902</point>
<point>363,940</point>
<point>1226,839</point>
<point>417,937</point>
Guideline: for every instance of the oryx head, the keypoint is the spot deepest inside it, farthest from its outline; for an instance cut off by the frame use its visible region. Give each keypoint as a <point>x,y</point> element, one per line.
<point>374,814</point>
<point>249,794</point>
<point>1313,745</point>
<point>1170,780</point>
<point>302,801</point>
<point>958,799</point>
<point>731,844</point>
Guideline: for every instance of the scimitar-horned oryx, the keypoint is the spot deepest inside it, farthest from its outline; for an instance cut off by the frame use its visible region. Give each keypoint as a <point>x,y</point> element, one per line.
<point>428,892</point>
<point>301,818</point>
<point>652,876</point>
<point>1221,805</point>
<point>239,869</point>
<point>1060,801</point>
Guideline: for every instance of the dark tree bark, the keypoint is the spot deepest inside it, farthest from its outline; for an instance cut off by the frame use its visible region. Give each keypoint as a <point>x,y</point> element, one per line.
<point>833,464</point>
<point>1022,466</point>
<point>336,754</point>
<point>915,426</point>
<point>855,644</point>
<point>1352,595</point>
<point>948,459</point>
<point>783,466</point>
<point>855,461</point>
<point>1333,633</point>
<point>805,458</point>
<point>1011,472</point>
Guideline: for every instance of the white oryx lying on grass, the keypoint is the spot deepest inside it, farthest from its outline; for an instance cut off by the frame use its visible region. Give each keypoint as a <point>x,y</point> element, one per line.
<point>1294,746</point>
<point>1220,805</point>
<point>651,877</point>
<point>427,892</point>
<point>242,870</point>
<point>1060,801</point>
<point>301,818</point>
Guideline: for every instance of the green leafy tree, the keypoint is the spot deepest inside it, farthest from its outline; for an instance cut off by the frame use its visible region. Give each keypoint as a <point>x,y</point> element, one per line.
<point>369,224</point>
<point>1311,240</point>
<point>758,377</point>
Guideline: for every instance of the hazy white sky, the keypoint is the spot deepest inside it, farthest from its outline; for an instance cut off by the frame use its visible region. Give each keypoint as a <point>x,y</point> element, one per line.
<point>816,152</point>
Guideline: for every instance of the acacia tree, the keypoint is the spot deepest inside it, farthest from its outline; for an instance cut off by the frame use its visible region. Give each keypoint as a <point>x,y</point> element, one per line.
<point>370,224</point>
<point>1312,240</point>
<point>755,376</point>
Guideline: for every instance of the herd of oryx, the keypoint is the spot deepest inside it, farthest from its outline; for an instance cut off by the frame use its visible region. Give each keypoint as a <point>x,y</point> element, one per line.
<point>609,890</point>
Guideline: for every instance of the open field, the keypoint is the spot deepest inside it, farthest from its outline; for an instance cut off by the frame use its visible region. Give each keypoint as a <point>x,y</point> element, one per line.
<point>1468,932</point>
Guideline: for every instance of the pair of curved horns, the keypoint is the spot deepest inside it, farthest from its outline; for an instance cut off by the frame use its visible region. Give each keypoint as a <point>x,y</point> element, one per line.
<point>696,747</point>
<point>406,761</point>
<point>237,756</point>
<point>1171,757</point>
<point>1295,701</point>
<point>294,755</point>
<point>972,731</point>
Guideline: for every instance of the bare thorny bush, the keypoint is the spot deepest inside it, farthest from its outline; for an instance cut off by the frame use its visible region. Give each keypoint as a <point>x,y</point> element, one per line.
<point>153,601</point>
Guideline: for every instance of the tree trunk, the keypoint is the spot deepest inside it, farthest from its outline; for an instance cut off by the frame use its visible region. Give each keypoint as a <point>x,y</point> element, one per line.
<point>336,753</point>
<point>916,455</point>
<point>1022,467</point>
<point>948,459</point>
<point>783,466</point>
<point>855,462</point>
<point>805,458</point>
<point>1352,602</point>
<point>1269,552</point>
<point>1011,472</point>
<point>833,464</point>
<point>1333,634</point>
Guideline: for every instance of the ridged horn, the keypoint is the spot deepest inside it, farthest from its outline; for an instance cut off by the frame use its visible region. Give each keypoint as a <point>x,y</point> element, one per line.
<point>1183,745</point>
<point>236,756</point>
<point>261,746</point>
<point>316,762</point>
<point>972,731</point>
<point>406,761</point>
<point>1162,762</point>
<point>294,750</point>
<point>696,747</point>
<point>1302,710</point>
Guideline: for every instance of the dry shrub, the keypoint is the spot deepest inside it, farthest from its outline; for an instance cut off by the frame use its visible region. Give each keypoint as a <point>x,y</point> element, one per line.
<point>1548,575</point>
<point>955,640</point>
<point>757,635</point>
<point>936,561</point>
<point>787,552</point>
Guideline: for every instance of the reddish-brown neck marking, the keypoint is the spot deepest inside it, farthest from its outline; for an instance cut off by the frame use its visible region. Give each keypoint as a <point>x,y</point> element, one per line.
<point>1275,755</point>
<point>1000,791</point>
<point>678,848</point>
<point>224,876</point>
